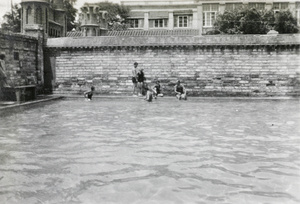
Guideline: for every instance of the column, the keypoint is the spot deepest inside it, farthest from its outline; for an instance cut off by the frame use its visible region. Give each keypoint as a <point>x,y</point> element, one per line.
<point>22,18</point>
<point>268,5</point>
<point>200,18</point>
<point>171,21</point>
<point>292,8</point>
<point>195,24</point>
<point>33,14</point>
<point>146,21</point>
<point>222,7</point>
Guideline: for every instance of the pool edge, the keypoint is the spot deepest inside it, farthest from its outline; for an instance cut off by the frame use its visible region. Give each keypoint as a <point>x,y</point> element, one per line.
<point>29,103</point>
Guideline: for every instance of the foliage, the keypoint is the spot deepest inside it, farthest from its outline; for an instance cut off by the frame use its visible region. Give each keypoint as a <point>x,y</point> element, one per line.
<point>285,22</point>
<point>229,22</point>
<point>70,13</point>
<point>118,26</point>
<point>116,15</point>
<point>252,21</point>
<point>12,20</point>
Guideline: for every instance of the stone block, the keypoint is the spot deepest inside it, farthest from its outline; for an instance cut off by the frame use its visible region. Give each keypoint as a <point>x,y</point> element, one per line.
<point>243,82</point>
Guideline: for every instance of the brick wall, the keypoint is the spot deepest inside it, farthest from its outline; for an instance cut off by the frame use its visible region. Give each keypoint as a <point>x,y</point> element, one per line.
<point>227,68</point>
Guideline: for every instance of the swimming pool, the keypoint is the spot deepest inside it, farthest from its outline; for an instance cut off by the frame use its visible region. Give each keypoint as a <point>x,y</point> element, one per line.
<point>168,151</point>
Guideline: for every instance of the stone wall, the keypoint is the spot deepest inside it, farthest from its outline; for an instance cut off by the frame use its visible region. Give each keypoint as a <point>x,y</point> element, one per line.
<point>208,66</point>
<point>20,58</point>
<point>23,58</point>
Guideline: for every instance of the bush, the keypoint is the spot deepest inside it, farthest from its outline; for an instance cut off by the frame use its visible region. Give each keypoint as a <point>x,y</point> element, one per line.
<point>252,21</point>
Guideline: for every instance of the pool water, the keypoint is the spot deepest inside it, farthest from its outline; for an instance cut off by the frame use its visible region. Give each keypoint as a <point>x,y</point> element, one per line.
<point>168,151</point>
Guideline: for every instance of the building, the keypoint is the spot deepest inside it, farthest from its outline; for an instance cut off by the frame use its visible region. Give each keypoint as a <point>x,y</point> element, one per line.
<point>194,14</point>
<point>93,20</point>
<point>48,16</point>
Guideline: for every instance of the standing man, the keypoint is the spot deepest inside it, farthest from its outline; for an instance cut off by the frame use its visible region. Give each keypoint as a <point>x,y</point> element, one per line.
<point>3,77</point>
<point>134,79</point>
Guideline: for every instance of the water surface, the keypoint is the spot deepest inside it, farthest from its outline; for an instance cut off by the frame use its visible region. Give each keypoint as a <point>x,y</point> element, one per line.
<point>168,151</point>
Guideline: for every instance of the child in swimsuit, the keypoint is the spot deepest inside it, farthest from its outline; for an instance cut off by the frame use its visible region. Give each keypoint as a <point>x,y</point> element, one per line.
<point>180,91</point>
<point>149,93</point>
<point>140,79</point>
<point>157,90</point>
<point>89,94</point>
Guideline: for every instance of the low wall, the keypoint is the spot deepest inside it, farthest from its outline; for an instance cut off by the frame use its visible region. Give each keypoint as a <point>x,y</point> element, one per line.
<point>246,65</point>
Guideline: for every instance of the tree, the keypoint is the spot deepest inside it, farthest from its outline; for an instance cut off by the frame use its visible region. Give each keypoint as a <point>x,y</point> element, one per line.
<point>12,20</point>
<point>285,22</point>
<point>70,13</point>
<point>252,21</point>
<point>229,22</point>
<point>117,15</point>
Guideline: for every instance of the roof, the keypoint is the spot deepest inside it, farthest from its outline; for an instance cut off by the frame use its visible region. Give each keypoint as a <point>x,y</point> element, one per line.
<point>74,34</point>
<point>187,32</point>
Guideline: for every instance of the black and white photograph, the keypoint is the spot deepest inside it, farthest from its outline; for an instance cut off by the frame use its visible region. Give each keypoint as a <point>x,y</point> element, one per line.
<point>149,101</point>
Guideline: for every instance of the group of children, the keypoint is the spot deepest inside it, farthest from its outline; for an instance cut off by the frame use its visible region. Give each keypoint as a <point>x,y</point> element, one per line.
<point>141,88</point>
<point>155,91</point>
<point>138,80</point>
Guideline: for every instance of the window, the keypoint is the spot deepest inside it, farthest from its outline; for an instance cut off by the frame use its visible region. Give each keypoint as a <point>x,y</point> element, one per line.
<point>231,6</point>
<point>280,6</point>
<point>159,23</point>
<point>28,12</point>
<point>210,14</point>
<point>134,23</point>
<point>38,15</point>
<point>184,21</point>
<point>258,6</point>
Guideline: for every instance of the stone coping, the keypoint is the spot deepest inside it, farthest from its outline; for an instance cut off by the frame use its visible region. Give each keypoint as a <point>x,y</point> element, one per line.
<point>191,97</point>
<point>142,41</point>
<point>17,35</point>
<point>10,107</point>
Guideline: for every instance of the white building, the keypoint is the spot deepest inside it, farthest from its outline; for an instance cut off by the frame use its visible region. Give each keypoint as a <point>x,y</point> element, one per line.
<point>194,14</point>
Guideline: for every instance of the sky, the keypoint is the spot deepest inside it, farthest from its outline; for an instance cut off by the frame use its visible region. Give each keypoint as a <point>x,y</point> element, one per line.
<point>5,5</point>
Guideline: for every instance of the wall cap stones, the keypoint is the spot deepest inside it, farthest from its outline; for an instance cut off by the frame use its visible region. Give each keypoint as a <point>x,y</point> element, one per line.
<point>180,41</point>
<point>16,36</point>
